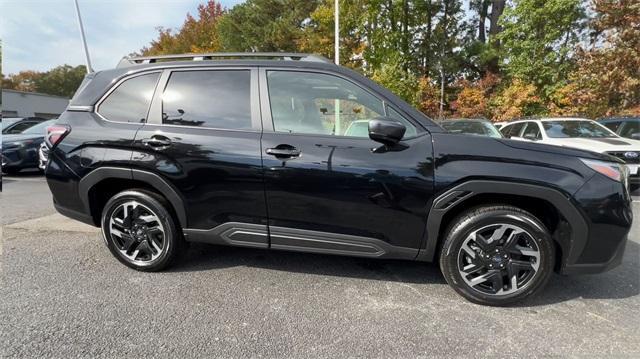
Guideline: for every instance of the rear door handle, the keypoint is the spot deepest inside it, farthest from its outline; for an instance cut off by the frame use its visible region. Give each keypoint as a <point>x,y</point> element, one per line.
<point>157,141</point>
<point>283,152</point>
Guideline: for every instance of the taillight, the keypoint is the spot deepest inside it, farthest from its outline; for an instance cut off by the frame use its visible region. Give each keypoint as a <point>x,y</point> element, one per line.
<point>55,134</point>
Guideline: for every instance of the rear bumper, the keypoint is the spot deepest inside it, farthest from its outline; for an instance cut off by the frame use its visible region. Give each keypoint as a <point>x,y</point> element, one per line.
<point>78,216</point>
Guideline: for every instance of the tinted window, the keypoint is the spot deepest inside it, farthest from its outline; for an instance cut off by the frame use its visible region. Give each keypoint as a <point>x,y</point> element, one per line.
<point>314,103</point>
<point>214,99</point>
<point>629,128</point>
<point>479,128</point>
<point>567,129</point>
<point>129,102</point>
<point>532,131</point>
<point>513,130</point>
<point>613,125</point>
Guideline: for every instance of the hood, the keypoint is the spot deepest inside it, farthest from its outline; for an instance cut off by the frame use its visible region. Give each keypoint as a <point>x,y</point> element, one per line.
<point>598,144</point>
<point>559,150</point>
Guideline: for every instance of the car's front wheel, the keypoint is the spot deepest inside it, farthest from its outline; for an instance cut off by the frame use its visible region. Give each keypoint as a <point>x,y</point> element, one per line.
<point>140,231</point>
<point>497,255</point>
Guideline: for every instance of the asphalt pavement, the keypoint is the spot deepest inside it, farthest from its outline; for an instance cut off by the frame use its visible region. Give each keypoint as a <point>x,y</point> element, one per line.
<point>64,295</point>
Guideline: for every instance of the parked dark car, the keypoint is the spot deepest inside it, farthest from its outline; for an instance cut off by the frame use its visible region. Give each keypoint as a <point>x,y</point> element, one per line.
<point>471,126</point>
<point>255,151</point>
<point>13,126</point>
<point>20,151</point>
<point>623,126</point>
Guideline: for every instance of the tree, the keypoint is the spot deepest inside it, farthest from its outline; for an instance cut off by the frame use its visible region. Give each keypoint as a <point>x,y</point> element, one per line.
<point>60,81</point>
<point>609,70</point>
<point>402,83</point>
<point>265,25</point>
<point>538,39</point>
<point>195,36</point>
<point>22,81</point>
<point>516,100</point>
<point>318,36</point>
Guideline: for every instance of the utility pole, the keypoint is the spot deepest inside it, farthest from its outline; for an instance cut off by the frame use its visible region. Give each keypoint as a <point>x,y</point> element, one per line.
<point>336,32</point>
<point>336,40</point>
<point>84,40</point>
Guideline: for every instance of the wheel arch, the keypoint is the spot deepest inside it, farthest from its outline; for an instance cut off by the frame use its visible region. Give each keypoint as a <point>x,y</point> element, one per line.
<point>523,195</point>
<point>123,178</point>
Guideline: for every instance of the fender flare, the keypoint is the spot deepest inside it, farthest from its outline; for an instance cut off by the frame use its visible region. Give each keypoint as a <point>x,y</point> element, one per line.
<point>572,246</point>
<point>152,179</point>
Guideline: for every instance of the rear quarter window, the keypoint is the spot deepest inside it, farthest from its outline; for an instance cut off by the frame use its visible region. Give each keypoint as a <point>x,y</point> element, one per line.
<point>130,101</point>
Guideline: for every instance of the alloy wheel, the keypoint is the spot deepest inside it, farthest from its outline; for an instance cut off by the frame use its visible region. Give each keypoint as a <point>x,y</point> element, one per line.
<point>498,259</point>
<point>137,232</point>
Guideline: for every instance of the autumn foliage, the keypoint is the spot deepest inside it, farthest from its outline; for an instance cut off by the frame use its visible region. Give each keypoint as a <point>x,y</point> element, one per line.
<point>491,58</point>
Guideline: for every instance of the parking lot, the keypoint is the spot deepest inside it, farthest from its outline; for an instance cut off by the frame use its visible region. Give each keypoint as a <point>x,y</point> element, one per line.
<point>64,295</point>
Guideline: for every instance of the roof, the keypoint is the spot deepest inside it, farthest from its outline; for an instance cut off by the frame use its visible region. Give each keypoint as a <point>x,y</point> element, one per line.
<point>283,56</point>
<point>548,119</point>
<point>465,120</point>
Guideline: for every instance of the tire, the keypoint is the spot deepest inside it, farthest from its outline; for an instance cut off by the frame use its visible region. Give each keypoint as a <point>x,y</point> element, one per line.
<point>140,220</point>
<point>487,247</point>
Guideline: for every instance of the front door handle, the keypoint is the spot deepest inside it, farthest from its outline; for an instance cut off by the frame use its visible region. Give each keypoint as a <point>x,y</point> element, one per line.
<point>157,141</point>
<point>283,152</point>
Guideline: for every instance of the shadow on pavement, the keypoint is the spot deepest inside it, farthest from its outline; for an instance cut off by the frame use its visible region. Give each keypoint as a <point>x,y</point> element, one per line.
<point>622,282</point>
<point>209,257</point>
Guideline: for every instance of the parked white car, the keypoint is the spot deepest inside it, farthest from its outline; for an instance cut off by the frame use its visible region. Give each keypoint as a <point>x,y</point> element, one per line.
<point>578,133</point>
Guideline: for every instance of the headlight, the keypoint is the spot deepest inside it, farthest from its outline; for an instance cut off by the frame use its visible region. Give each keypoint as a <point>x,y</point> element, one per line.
<point>616,171</point>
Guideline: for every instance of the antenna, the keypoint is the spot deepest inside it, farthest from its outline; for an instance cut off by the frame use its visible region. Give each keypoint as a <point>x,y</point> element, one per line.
<point>84,40</point>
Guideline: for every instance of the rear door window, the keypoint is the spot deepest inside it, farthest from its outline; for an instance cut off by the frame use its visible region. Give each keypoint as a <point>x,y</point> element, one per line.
<point>213,99</point>
<point>130,101</point>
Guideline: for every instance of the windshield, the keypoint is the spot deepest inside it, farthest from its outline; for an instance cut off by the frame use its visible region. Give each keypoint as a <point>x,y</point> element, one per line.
<point>581,129</point>
<point>8,121</point>
<point>472,128</point>
<point>39,129</point>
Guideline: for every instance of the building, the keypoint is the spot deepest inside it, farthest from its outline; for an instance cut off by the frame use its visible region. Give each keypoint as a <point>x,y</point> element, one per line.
<point>32,104</point>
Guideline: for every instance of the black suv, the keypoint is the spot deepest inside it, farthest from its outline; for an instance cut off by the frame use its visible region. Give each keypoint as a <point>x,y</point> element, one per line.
<point>291,152</point>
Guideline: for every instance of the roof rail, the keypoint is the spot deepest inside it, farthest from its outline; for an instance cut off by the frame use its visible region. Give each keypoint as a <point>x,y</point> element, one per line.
<point>132,61</point>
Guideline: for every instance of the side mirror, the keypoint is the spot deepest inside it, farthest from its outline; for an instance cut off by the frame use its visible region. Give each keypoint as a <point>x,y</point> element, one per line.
<point>386,130</point>
<point>531,137</point>
<point>635,136</point>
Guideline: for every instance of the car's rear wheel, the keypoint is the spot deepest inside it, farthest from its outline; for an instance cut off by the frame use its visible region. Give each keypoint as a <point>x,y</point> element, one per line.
<point>140,231</point>
<point>497,255</point>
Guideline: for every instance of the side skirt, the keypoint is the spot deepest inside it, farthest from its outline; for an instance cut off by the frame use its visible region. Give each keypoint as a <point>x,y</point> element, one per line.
<point>298,240</point>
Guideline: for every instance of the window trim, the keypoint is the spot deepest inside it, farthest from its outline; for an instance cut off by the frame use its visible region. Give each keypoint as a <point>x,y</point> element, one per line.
<point>116,85</point>
<point>155,113</point>
<point>265,103</point>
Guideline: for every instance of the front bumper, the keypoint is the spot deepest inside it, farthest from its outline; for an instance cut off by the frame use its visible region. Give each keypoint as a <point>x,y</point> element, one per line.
<point>606,207</point>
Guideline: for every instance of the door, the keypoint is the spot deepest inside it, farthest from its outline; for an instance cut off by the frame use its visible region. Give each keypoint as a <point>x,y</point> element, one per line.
<point>203,138</point>
<point>331,189</point>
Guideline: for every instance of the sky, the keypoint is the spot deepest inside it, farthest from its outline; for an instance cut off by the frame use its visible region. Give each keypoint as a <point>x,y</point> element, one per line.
<point>42,34</point>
